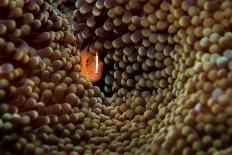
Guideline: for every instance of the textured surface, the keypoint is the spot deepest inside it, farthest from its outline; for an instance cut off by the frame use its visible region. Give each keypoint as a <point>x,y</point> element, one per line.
<point>170,75</point>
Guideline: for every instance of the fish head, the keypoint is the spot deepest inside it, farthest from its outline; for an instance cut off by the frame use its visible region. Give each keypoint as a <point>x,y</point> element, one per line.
<point>91,64</point>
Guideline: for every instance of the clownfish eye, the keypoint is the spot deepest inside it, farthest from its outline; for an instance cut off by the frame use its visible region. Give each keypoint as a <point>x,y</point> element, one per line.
<point>88,60</point>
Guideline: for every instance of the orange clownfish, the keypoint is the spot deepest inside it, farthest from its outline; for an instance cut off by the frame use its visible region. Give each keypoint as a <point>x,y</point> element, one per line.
<point>91,65</point>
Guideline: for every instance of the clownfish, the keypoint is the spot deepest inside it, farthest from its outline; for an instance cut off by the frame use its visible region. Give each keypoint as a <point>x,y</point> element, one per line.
<point>91,64</point>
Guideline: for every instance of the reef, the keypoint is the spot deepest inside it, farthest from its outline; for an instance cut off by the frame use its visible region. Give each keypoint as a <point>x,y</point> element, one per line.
<point>169,73</point>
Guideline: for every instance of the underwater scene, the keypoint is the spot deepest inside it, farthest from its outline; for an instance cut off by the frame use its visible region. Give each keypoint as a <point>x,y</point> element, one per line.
<point>115,77</point>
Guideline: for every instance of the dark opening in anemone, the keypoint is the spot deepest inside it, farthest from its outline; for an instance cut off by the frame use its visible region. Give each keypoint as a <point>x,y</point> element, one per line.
<point>102,83</point>
<point>106,68</point>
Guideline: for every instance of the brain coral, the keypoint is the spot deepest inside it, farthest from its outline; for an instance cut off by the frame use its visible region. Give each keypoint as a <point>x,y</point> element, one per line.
<point>169,73</point>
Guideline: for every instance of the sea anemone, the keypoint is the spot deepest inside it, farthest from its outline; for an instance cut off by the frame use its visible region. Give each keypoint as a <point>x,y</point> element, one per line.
<point>166,88</point>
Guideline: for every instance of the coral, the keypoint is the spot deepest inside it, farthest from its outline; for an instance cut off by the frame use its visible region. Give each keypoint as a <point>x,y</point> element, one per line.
<point>169,73</point>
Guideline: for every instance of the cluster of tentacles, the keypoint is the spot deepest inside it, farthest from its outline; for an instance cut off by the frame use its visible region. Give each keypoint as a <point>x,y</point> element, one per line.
<point>169,72</point>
